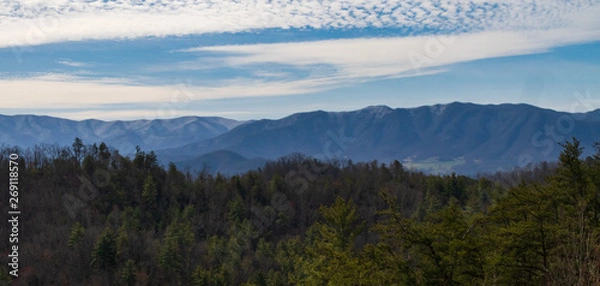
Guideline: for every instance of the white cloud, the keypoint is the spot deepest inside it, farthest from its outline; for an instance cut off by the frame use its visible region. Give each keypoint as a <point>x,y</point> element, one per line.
<point>70,63</point>
<point>55,91</point>
<point>270,74</point>
<point>369,58</point>
<point>35,22</point>
<point>64,91</point>
<point>349,61</point>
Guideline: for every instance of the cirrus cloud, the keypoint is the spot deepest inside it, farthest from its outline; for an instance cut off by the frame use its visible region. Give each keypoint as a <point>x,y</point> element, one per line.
<point>33,22</point>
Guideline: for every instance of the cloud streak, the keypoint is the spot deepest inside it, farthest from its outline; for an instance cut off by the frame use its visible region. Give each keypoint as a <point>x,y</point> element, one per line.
<point>374,58</point>
<point>61,91</point>
<point>347,62</point>
<point>70,63</point>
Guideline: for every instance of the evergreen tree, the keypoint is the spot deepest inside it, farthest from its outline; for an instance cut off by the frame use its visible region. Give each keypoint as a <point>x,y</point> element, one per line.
<point>77,233</point>
<point>174,252</point>
<point>78,149</point>
<point>149,193</point>
<point>104,255</point>
<point>332,258</point>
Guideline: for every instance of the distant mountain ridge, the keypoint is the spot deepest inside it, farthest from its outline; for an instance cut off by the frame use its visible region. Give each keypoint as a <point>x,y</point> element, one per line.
<point>28,130</point>
<point>456,137</point>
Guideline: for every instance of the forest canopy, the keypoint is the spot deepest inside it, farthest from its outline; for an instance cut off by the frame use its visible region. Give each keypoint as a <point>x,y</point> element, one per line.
<point>94,217</point>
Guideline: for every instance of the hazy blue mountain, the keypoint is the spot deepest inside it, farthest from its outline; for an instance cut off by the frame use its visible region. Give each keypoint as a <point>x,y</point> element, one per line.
<point>461,137</point>
<point>223,161</point>
<point>28,130</point>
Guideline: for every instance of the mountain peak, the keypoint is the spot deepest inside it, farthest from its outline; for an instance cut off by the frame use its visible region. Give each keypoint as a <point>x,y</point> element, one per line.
<point>378,110</point>
<point>438,109</point>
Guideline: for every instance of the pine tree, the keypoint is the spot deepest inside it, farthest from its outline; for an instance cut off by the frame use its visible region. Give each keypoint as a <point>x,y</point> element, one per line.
<point>332,258</point>
<point>127,274</point>
<point>77,233</point>
<point>578,260</point>
<point>174,252</point>
<point>78,149</point>
<point>149,199</point>
<point>104,255</point>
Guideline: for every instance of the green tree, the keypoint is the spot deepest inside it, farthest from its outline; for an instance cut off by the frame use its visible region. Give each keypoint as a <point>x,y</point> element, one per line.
<point>174,253</point>
<point>526,231</point>
<point>149,199</point>
<point>544,232</point>
<point>149,193</point>
<point>216,277</point>
<point>578,259</point>
<point>237,210</point>
<point>104,255</point>
<point>77,233</point>
<point>445,248</point>
<point>127,274</point>
<point>331,258</point>
<point>78,149</point>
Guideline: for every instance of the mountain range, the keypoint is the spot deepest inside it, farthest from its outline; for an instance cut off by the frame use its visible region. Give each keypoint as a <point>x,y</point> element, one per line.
<point>458,137</point>
<point>28,130</point>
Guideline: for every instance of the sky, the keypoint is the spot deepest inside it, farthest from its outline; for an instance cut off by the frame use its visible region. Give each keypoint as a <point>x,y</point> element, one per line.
<point>254,59</point>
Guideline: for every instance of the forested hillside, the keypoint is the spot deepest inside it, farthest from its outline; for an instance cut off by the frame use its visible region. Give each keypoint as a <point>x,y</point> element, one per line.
<point>93,217</point>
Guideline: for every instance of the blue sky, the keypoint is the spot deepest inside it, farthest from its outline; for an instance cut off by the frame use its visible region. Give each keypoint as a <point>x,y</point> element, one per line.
<point>267,59</point>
